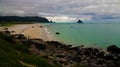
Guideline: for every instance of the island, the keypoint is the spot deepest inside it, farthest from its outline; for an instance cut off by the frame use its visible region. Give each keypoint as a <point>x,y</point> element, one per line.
<point>79,21</point>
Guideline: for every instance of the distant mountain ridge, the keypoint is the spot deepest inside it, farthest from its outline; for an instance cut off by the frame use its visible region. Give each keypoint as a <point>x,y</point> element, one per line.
<point>24,19</point>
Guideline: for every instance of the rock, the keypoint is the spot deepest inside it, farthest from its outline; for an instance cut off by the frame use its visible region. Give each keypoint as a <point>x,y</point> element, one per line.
<point>83,62</point>
<point>95,51</point>
<point>21,36</point>
<point>79,21</point>
<point>55,43</point>
<point>39,44</point>
<point>57,33</point>
<point>12,31</point>
<point>62,60</point>
<point>51,57</point>
<point>41,26</point>
<point>5,29</point>
<point>111,64</point>
<point>61,55</point>
<point>51,21</point>
<point>93,65</point>
<point>75,48</point>
<point>101,54</point>
<point>76,59</point>
<point>7,32</point>
<point>118,63</point>
<point>101,62</point>
<point>34,50</point>
<point>33,27</point>
<point>109,57</point>
<point>14,40</point>
<point>99,65</point>
<point>113,49</point>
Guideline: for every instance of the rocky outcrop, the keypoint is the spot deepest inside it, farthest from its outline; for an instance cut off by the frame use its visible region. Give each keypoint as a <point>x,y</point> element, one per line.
<point>113,49</point>
<point>79,21</point>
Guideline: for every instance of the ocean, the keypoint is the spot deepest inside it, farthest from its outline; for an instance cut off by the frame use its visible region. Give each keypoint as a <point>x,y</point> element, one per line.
<point>93,35</point>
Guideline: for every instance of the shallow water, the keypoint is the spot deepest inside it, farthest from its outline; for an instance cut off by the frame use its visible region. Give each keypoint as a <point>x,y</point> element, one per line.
<point>97,35</point>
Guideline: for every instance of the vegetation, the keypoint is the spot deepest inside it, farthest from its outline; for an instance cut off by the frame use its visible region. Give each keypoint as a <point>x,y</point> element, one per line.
<point>4,23</point>
<point>23,19</point>
<point>18,55</point>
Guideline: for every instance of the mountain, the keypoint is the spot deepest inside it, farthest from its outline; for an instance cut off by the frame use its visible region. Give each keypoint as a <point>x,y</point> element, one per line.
<point>24,19</point>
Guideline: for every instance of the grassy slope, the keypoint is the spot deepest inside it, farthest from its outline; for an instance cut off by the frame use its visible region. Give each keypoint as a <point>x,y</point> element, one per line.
<point>3,23</point>
<point>17,55</point>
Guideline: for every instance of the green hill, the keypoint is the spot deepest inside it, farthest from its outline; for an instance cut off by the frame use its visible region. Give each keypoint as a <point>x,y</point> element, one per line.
<point>24,19</point>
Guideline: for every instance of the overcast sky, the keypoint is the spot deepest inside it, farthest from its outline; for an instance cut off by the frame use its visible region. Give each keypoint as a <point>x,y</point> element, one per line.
<point>63,10</point>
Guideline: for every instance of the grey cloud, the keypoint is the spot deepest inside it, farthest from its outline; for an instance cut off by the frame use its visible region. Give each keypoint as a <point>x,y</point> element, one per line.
<point>71,8</point>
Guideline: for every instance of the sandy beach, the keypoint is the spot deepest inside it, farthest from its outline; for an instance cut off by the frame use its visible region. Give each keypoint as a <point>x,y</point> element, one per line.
<point>32,31</point>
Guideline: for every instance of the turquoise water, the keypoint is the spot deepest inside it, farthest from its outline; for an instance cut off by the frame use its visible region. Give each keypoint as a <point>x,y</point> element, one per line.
<point>98,35</point>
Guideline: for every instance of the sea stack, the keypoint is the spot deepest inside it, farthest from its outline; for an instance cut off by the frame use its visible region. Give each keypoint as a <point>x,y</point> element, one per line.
<point>79,21</point>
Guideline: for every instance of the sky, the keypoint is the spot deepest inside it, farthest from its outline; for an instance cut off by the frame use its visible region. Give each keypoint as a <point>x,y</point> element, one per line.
<point>63,10</point>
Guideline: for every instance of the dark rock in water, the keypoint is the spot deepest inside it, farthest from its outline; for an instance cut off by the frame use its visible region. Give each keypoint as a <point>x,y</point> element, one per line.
<point>79,21</point>
<point>113,49</point>
<point>57,32</point>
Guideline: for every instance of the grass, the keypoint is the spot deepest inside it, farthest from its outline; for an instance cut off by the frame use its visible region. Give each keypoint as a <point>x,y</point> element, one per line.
<point>17,55</point>
<point>4,23</point>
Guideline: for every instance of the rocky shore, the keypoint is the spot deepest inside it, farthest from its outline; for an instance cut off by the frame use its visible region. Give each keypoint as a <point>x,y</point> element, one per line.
<point>65,55</point>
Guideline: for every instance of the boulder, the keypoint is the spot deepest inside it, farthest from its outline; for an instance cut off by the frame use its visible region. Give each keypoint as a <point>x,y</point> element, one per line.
<point>62,60</point>
<point>113,49</point>
<point>57,33</point>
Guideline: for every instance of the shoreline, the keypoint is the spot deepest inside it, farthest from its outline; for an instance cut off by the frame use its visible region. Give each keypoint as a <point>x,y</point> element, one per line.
<point>34,31</point>
<point>49,35</point>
